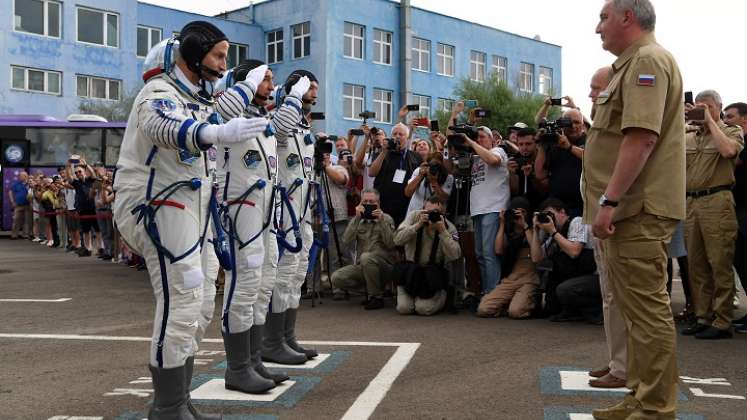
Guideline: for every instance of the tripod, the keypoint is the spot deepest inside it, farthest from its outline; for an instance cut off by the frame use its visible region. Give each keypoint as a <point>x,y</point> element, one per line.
<point>322,219</point>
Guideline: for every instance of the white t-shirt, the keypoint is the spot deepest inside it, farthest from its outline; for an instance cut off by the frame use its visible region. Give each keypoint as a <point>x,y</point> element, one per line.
<point>423,192</point>
<point>490,188</point>
<point>70,199</point>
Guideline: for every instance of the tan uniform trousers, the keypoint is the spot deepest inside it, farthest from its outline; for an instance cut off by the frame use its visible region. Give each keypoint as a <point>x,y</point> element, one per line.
<point>407,304</point>
<point>369,272</point>
<point>615,330</point>
<point>21,221</point>
<point>711,234</point>
<point>515,292</point>
<point>636,261</point>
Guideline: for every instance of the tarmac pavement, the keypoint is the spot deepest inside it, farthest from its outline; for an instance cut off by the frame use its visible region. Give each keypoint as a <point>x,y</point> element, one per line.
<point>81,352</point>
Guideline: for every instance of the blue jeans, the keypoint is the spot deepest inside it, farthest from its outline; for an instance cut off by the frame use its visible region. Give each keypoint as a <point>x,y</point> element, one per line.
<point>486,228</point>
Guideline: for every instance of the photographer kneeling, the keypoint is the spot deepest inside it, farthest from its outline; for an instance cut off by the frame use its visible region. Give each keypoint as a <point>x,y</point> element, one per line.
<point>370,233</point>
<point>430,243</point>
<point>572,292</point>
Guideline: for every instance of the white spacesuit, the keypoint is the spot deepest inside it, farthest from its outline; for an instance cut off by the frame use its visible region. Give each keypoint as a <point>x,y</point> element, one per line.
<point>296,159</point>
<point>162,195</point>
<point>250,193</point>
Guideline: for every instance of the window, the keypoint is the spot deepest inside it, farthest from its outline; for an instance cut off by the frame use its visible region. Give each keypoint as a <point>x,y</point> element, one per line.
<point>147,38</point>
<point>36,80</point>
<point>301,40</point>
<point>383,105</point>
<point>477,66</point>
<point>98,88</point>
<point>41,17</point>
<point>421,54</point>
<point>444,105</point>
<point>500,67</point>
<point>526,77</point>
<point>275,47</point>
<point>545,80</point>
<point>352,101</point>
<point>445,60</point>
<point>236,54</point>
<point>98,27</point>
<point>425,105</point>
<point>382,47</point>
<point>354,40</point>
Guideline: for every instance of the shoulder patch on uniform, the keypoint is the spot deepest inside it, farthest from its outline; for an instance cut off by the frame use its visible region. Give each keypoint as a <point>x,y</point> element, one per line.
<point>273,161</point>
<point>292,160</point>
<point>252,158</point>
<point>646,80</point>
<point>163,105</point>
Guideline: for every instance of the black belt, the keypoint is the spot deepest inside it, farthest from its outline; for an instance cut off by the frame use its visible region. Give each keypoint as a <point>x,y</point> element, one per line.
<point>709,191</point>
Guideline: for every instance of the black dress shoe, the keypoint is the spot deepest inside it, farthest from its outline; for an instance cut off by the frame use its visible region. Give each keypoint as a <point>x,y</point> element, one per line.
<point>694,329</point>
<point>713,333</point>
<point>374,303</point>
<point>740,321</point>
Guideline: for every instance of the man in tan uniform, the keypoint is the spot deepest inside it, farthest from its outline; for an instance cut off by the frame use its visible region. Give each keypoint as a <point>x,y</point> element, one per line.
<point>634,193</point>
<point>371,234</point>
<point>711,226</point>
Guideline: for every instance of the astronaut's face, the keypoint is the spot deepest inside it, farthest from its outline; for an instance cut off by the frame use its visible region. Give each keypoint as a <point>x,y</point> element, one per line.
<point>216,60</point>
<point>265,88</point>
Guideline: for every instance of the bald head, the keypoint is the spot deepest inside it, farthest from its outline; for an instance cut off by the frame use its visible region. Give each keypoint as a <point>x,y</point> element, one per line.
<point>599,82</point>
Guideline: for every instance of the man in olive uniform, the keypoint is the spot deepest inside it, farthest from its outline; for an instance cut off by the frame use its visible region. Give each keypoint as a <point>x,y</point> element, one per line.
<point>711,225</point>
<point>634,193</point>
<point>371,232</point>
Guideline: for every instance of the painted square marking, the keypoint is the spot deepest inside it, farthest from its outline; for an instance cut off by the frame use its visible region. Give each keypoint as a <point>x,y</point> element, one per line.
<point>215,389</point>
<point>310,364</point>
<point>211,390</point>
<point>584,413</point>
<point>574,380</point>
<point>324,363</point>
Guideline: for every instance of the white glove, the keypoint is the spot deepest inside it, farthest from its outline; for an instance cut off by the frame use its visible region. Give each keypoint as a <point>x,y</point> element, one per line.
<point>300,88</point>
<point>238,130</point>
<point>255,77</point>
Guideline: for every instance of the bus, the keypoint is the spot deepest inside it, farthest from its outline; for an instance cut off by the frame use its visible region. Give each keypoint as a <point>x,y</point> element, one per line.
<point>39,143</point>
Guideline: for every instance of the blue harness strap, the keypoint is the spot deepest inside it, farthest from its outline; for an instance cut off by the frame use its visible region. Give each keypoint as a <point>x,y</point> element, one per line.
<point>317,245</point>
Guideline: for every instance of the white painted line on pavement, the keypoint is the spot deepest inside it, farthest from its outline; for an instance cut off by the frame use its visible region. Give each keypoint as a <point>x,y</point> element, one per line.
<point>366,403</point>
<point>572,380</point>
<point>37,300</point>
<point>310,364</point>
<point>362,408</point>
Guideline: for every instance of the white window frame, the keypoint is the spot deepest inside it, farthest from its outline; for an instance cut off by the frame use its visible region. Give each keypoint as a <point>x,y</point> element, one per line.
<point>89,83</point>
<point>500,68</point>
<point>352,38</point>
<point>445,104</point>
<point>150,30</point>
<point>26,80</point>
<point>302,37</point>
<point>526,76</point>
<point>274,45</point>
<point>417,47</point>
<point>381,43</point>
<point>544,88</point>
<point>105,14</point>
<point>354,116</point>
<point>381,103</point>
<point>45,16</point>
<point>479,66</point>
<point>444,59</point>
<point>237,59</point>
<point>425,104</point>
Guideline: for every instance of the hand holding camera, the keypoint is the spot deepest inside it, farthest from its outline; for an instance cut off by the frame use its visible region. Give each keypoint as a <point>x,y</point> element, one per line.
<point>544,220</point>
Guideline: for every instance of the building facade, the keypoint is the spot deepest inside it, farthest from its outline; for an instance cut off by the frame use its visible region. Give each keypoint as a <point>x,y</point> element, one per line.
<point>373,55</point>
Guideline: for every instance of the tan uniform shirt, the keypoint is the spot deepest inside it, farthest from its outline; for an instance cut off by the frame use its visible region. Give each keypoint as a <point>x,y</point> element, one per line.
<point>706,168</point>
<point>407,236</point>
<point>645,92</point>
<point>370,235</point>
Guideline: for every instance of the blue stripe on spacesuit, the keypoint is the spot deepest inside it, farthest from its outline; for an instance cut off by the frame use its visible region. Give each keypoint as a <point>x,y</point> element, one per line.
<point>243,95</point>
<point>151,155</point>
<point>165,319</point>
<point>181,138</point>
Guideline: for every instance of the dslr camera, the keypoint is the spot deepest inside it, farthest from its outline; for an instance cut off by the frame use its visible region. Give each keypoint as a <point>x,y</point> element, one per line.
<point>392,145</point>
<point>322,145</point>
<point>346,156</point>
<point>367,115</point>
<point>434,216</point>
<point>545,217</point>
<point>552,131</point>
<point>368,210</point>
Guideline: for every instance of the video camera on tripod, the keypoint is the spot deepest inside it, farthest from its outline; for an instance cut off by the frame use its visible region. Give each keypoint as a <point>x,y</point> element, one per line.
<point>323,145</point>
<point>552,131</point>
<point>462,156</point>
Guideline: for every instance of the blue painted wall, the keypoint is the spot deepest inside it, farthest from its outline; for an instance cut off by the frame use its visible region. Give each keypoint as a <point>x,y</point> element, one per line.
<point>248,26</point>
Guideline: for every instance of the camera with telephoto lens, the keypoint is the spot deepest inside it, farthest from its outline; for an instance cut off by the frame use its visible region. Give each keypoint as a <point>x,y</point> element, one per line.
<point>322,146</point>
<point>392,144</point>
<point>522,160</point>
<point>368,210</point>
<point>545,217</point>
<point>367,115</point>
<point>552,131</point>
<point>434,216</point>
<point>434,168</point>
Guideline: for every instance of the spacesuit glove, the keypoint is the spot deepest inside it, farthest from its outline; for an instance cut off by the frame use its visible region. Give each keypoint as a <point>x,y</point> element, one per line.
<point>255,77</point>
<point>300,88</point>
<point>237,130</point>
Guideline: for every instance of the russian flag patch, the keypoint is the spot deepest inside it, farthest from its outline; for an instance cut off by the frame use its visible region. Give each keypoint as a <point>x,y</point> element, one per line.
<point>646,80</point>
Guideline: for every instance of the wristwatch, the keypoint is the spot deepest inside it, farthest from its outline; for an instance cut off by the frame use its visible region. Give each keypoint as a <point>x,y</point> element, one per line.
<point>606,202</point>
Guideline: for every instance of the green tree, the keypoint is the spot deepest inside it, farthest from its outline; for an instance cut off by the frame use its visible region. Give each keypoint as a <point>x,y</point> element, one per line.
<point>505,106</point>
<point>113,111</point>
